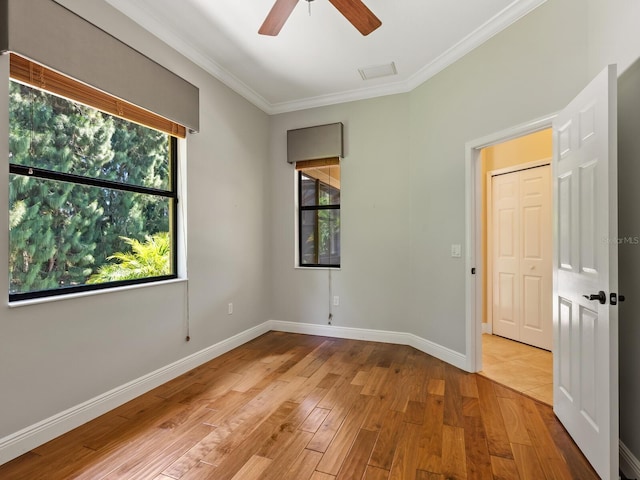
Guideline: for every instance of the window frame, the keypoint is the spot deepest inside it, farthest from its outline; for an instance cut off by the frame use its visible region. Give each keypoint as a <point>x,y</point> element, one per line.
<point>313,208</point>
<point>171,193</point>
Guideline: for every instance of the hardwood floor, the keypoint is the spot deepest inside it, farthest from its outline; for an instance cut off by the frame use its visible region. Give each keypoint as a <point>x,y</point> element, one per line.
<point>299,407</point>
<point>524,368</point>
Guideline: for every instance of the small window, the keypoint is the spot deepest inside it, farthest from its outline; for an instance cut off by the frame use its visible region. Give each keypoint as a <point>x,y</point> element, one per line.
<point>92,198</point>
<point>319,213</point>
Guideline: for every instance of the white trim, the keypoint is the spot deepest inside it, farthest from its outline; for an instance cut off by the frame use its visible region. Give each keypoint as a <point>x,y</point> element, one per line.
<point>487,328</point>
<point>30,437</point>
<point>400,338</point>
<point>473,287</point>
<point>629,464</point>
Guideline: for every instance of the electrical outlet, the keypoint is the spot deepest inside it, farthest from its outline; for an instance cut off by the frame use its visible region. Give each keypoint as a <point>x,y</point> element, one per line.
<point>230,308</point>
<point>336,300</point>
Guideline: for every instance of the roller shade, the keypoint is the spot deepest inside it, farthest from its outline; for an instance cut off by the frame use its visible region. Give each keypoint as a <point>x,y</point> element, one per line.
<point>50,34</point>
<point>312,143</point>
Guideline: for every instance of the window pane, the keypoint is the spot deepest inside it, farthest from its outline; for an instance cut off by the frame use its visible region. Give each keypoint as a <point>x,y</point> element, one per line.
<point>329,195</point>
<point>53,133</point>
<point>325,225</point>
<point>61,234</point>
<point>326,179</point>
<point>329,237</point>
<point>307,238</point>
<point>308,190</point>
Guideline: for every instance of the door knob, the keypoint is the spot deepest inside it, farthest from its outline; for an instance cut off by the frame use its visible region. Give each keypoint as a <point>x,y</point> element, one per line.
<point>600,296</point>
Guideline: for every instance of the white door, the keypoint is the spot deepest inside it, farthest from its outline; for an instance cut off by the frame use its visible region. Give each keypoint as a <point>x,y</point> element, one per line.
<point>585,360</point>
<point>506,254</point>
<point>536,326</point>
<point>521,255</point>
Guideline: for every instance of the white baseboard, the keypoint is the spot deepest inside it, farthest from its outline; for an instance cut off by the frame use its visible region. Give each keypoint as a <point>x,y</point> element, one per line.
<point>31,437</point>
<point>486,328</point>
<point>629,464</point>
<point>20,442</point>
<point>445,354</point>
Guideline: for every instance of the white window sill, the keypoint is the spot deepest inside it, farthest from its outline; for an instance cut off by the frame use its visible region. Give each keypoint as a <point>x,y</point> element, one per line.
<point>70,296</point>
<point>318,268</point>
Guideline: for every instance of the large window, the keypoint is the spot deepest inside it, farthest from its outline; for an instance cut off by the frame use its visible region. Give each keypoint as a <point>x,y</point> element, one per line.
<point>92,197</point>
<point>319,213</point>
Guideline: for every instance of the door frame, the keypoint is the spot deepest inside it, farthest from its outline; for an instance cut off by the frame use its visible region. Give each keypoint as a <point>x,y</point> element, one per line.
<point>473,231</point>
<point>489,223</point>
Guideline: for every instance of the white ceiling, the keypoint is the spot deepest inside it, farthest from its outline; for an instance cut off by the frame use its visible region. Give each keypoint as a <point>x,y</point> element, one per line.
<point>315,59</point>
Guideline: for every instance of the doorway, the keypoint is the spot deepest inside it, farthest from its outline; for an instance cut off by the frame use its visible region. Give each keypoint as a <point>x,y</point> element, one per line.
<point>520,166</point>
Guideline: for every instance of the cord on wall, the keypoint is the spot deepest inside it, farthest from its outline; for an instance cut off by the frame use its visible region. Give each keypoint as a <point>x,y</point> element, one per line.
<point>183,222</point>
<point>330,297</point>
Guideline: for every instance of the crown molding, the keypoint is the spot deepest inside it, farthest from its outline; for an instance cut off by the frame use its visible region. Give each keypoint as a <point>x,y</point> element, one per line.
<point>509,15</point>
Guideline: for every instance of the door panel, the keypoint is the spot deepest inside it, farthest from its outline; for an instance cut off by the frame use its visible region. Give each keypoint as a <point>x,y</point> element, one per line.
<point>585,262</point>
<point>535,207</point>
<point>521,209</point>
<point>506,254</point>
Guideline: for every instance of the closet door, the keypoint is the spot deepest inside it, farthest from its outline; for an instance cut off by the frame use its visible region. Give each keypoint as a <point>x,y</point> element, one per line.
<point>536,325</point>
<point>506,255</point>
<point>521,233</point>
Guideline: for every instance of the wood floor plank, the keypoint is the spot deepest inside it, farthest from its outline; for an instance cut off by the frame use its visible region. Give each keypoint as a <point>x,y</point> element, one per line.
<point>375,383</point>
<point>497,437</point>
<point>436,386</point>
<point>470,407</point>
<point>454,462</point>
<point>527,462</point>
<point>355,462</point>
<point>453,396</point>
<point>385,447</point>
<point>476,451</point>
<point>304,466</point>
<point>321,476</point>
<point>360,378</point>
<point>424,475</point>
<point>289,453</point>
<point>504,468</point>
<point>338,449</point>
<point>468,385</point>
<point>252,470</point>
<point>298,407</point>
<point>414,412</point>
<point>430,447</point>
<point>314,420</point>
<point>406,459</point>
<point>514,422</point>
<point>332,423</point>
<point>375,473</point>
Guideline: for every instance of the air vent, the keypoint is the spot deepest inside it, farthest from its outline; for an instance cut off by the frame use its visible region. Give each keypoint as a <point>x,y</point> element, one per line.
<point>378,71</point>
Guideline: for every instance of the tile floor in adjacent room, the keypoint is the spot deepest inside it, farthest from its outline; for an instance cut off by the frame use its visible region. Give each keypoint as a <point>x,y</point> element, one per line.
<point>521,367</point>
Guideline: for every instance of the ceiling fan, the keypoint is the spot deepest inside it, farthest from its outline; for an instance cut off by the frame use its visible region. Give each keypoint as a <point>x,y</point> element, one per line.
<point>353,10</point>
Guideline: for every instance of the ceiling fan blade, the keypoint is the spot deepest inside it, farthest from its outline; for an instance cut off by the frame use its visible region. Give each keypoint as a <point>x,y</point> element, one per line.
<point>358,14</point>
<point>277,16</point>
